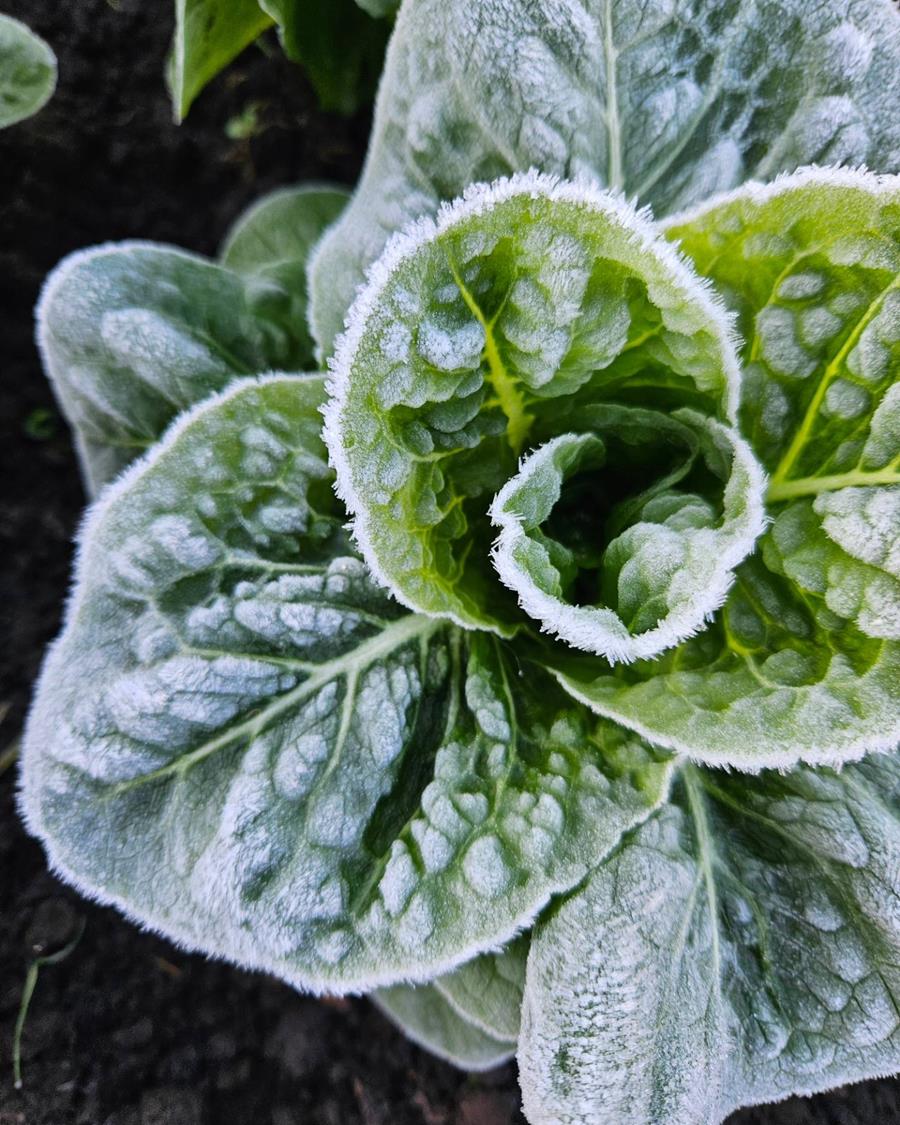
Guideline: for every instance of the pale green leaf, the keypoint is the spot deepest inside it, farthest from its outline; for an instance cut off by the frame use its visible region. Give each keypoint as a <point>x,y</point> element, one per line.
<point>133,333</point>
<point>246,745</point>
<point>27,72</point>
<point>273,239</point>
<point>669,100</point>
<point>208,35</point>
<point>281,228</point>
<point>804,659</point>
<point>487,991</point>
<point>492,330</point>
<point>741,946</point>
<point>425,1016</point>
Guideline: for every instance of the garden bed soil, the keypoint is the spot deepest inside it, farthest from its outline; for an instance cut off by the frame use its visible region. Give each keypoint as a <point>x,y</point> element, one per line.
<point>128,1030</point>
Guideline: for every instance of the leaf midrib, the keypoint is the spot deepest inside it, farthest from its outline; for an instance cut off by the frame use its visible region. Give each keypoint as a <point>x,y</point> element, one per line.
<point>509,395</point>
<point>614,174</point>
<point>813,486</point>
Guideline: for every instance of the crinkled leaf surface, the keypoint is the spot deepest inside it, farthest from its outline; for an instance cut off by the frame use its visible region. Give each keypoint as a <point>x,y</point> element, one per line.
<point>670,100</point>
<point>742,945</point>
<point>27,71</point>
<point>511,320</point>
<point>272,242</point>
<point>804,658</point>
<point>424,1015</point>
<point>487,991</point>
<point>208,35</point>
<point>338,43</point>
<point>133,333</point>
<point>245,744</point>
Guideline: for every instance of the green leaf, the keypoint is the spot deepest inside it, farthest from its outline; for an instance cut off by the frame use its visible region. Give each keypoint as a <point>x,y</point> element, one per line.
<point>670,561</point>
<point>741,946</point>
<point>811,265</point>
<point>338,44</point>
<point>379,9</point>
<point>487,991</point>
<point>27,72</point>
<point>804,659</point>
<point>273,239</point>
<point>493,329</point>
<point>668,100</point>
<point>246,745</point>
<point>425,1016</point>
<point>208,35</point>
<point>133,333</point>
<point>280,229</point>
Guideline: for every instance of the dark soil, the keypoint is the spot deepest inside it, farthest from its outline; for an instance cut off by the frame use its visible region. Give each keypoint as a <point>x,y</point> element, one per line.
<point>128,1030</point>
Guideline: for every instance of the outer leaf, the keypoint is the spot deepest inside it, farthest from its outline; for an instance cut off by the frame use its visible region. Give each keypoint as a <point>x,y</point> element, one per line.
<point>666,571</point>
<point>132,333</point>
<point>272,241</point>
<point>208,35</point>
<point>244,744</point>
<point>669,100</point>
<point>487,992</point>
<point>804,659</point>
<point>488,331</point>
<point>27,72</point>
<point>426,1017</point>
<point>743,945</point>
<point>338,44</point>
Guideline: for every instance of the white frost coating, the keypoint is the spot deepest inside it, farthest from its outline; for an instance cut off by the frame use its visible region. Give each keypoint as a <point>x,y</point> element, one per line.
<point>60,274</point>
<point>610,207</point>
<point>95,513</point>
<point>600,630</point>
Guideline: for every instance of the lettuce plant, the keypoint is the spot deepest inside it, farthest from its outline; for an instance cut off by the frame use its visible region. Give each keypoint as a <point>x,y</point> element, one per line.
<point>27,72</point>
<point>580,740</point>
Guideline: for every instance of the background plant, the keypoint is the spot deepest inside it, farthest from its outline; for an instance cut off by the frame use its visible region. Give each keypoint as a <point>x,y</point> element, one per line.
<point>339,45</point>
<point>27,71</point>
